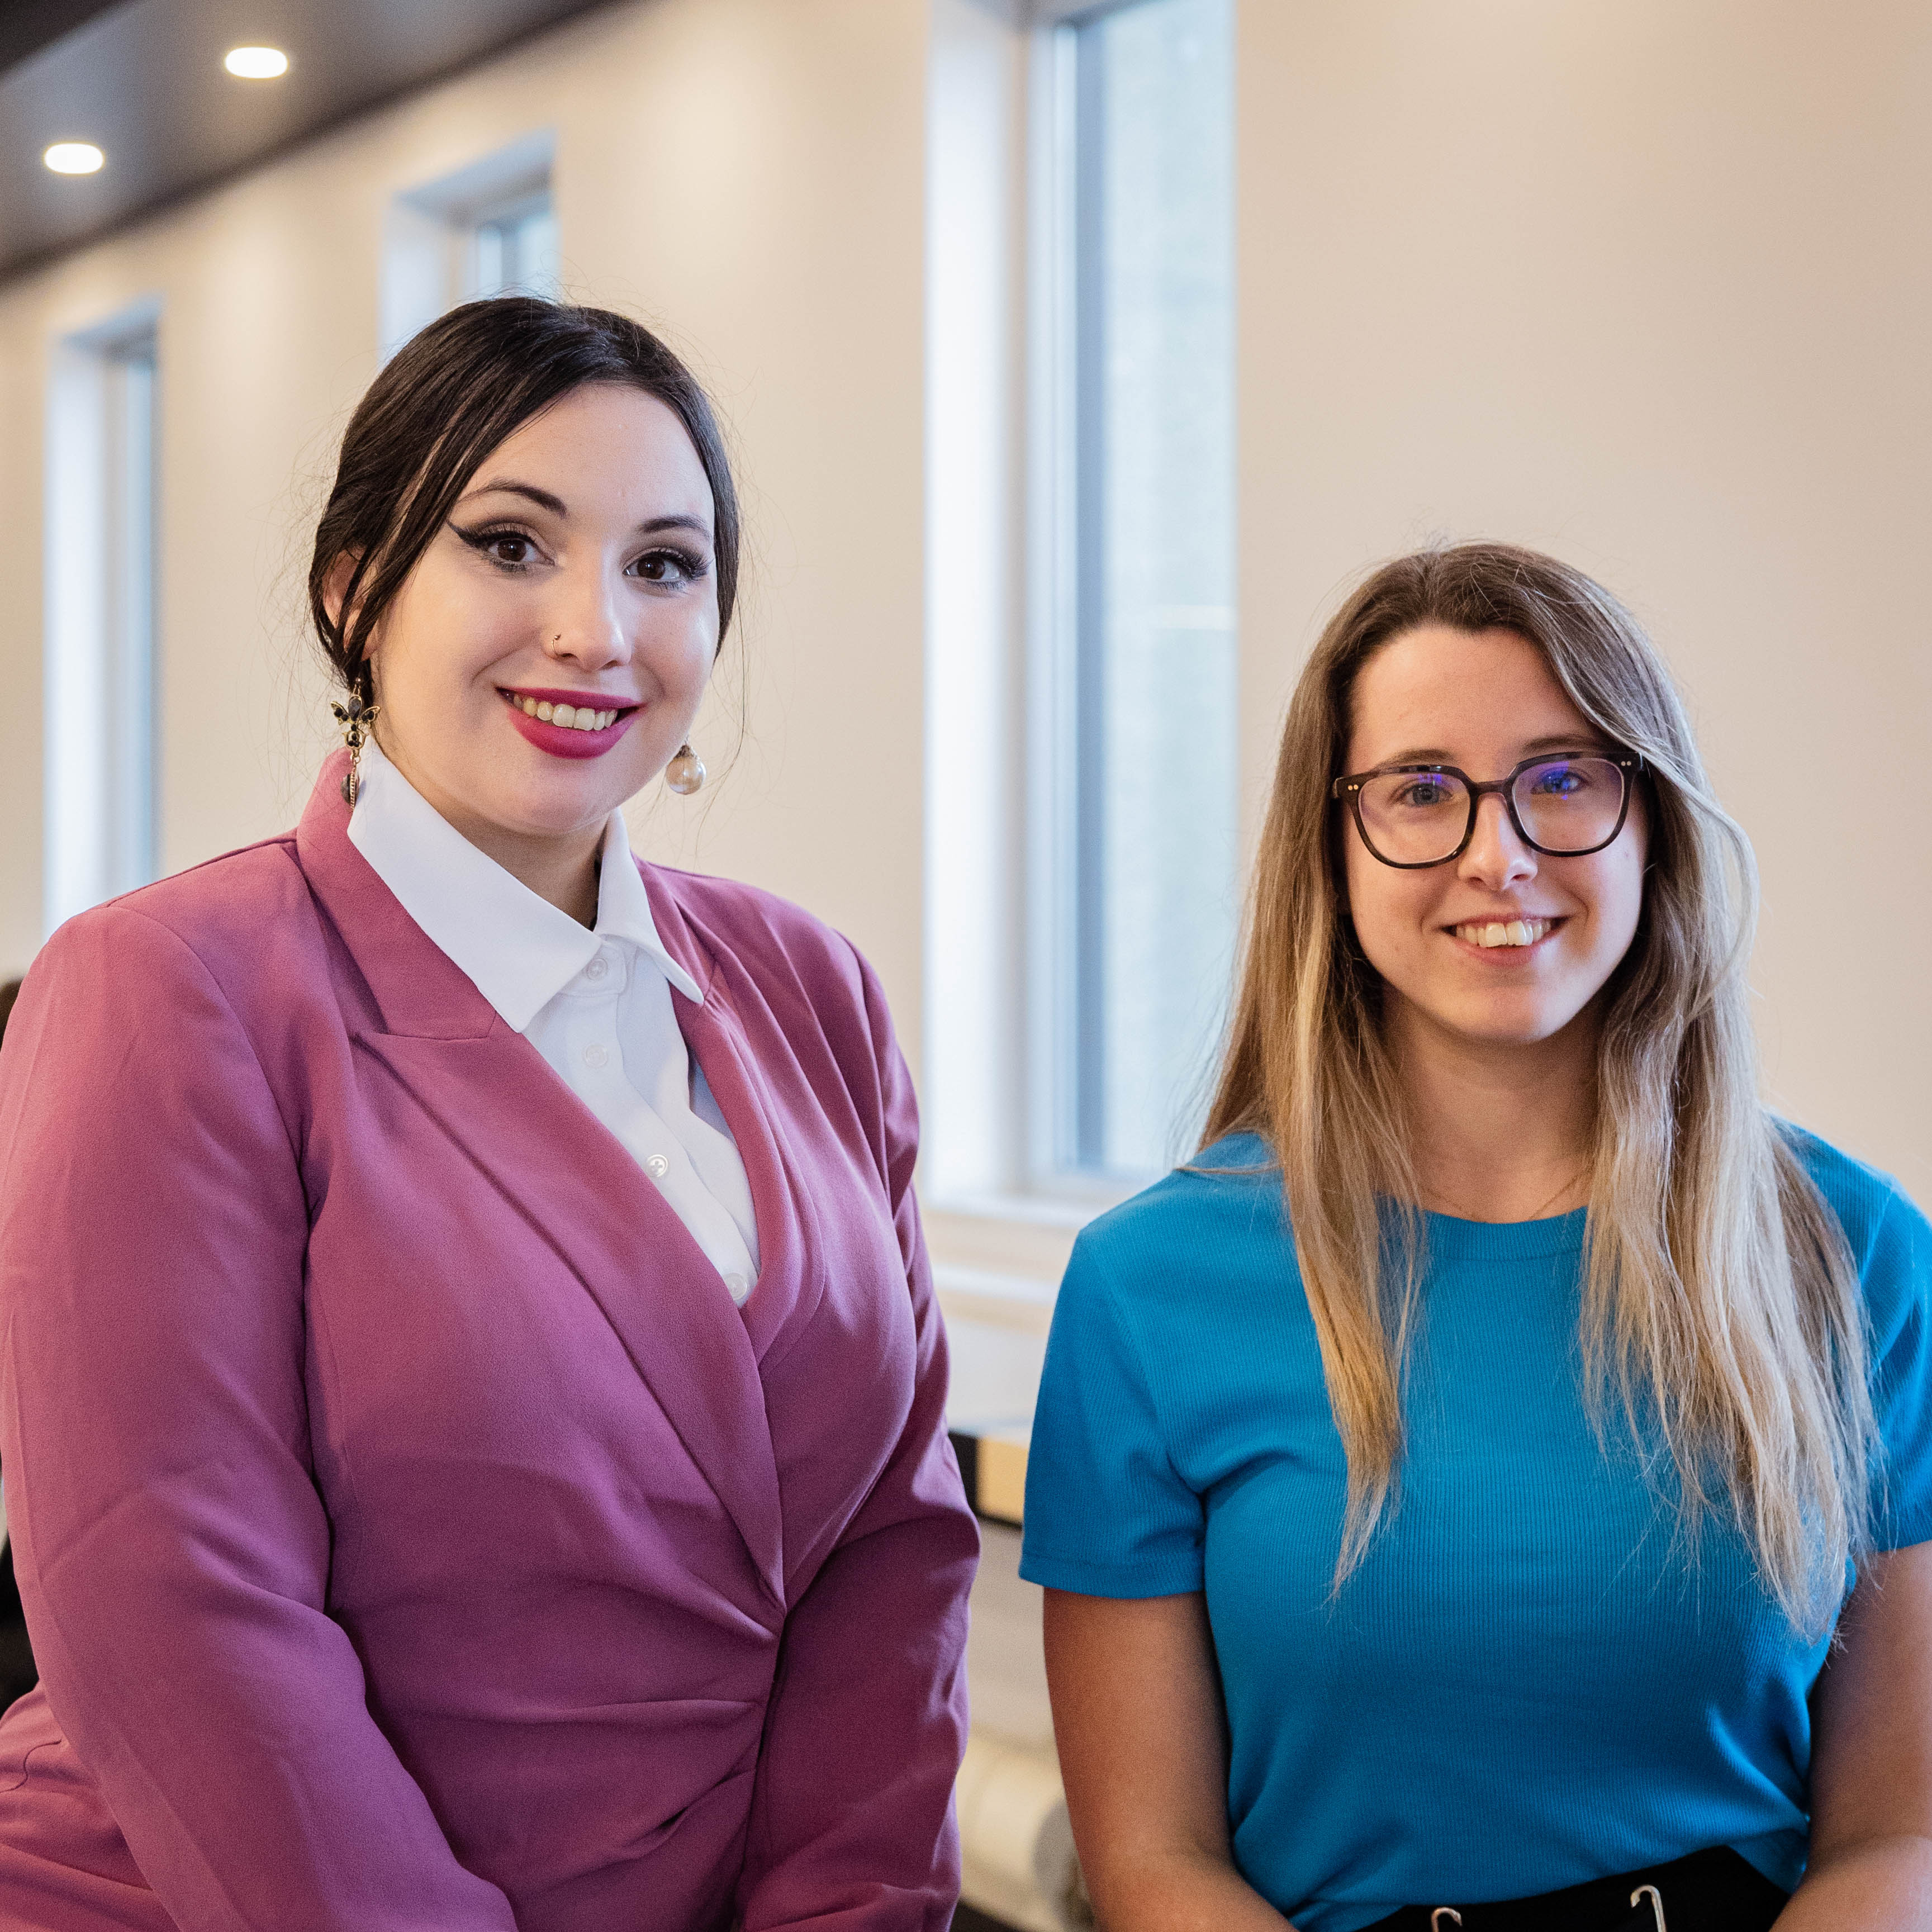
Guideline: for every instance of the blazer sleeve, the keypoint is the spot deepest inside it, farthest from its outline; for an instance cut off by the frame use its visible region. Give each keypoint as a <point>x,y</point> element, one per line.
<point>852,1826</point>
<point>172,1547</point>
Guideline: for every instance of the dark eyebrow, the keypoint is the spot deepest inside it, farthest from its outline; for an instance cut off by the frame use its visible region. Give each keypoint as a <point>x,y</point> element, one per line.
<point>545,500</point>
<point>1561,741</point>
<point>651,525</point>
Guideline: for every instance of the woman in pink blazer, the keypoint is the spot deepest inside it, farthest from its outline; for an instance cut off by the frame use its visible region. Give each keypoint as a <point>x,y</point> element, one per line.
<point>420,1529</point>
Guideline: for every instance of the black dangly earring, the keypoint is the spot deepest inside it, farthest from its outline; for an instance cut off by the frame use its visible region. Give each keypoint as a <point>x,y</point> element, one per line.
<point>355,717</point>
<point>685,772</point>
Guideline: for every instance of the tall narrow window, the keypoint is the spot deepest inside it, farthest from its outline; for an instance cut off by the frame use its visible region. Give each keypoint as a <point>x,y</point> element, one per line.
<point>1145,869</point>
<point>489,229</point>
<point>101,629</point>
<point>513,245</point>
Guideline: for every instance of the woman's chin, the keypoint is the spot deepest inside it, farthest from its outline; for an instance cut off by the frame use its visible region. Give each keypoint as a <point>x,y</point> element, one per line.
<point>550,804</point>
<point>1513,1024</point>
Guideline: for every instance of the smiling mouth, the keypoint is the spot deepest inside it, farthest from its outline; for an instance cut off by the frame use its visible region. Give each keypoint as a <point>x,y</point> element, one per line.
<point>1491,934</point>
<point>552,708</point>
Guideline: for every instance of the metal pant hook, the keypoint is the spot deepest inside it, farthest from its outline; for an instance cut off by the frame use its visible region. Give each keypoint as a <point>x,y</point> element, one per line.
<point>1448,1914</point>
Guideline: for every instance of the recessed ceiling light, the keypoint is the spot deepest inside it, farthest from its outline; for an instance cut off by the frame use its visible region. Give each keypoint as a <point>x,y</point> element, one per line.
<point>256,63</point>
<point>73,157</point>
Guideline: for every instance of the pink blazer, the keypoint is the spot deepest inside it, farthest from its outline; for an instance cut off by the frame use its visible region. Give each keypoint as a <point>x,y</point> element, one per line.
<point>414,1536</point>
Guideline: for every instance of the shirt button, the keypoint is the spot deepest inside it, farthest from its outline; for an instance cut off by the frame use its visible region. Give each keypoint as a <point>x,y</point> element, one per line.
<point>596,1056</point>
<point>597,968</point>
<point>659,1166</point>
<point>737,1284</point>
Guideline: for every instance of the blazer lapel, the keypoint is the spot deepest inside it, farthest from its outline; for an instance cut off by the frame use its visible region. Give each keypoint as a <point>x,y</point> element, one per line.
<point>563,1172</point>
<point>790,1281</point>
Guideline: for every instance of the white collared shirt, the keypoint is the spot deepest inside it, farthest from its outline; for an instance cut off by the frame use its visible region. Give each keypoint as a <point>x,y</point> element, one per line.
<point>595,1004</point>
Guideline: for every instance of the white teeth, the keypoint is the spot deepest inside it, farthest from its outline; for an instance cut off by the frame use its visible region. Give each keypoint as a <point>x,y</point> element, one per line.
<point>572,717</point>
<point>1504,932</point>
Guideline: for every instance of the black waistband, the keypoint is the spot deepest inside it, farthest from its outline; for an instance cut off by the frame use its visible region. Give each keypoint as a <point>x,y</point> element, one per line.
<point>1715,1891</point>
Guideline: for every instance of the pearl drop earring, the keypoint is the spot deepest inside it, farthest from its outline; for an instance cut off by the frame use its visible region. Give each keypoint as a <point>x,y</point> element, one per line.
<point>685,772</point>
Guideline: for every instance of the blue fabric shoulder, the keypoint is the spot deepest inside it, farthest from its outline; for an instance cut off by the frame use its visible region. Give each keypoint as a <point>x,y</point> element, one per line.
<point>1891,1243</point>
<point>1109,1513</point>
<point>1232,1167</point>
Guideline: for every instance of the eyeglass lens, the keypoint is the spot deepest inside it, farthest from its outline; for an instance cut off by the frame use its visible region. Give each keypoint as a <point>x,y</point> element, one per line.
<point>1419,817</point>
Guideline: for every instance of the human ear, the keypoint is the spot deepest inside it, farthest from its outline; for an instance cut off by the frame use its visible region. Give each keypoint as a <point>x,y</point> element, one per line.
<point>335,586</point>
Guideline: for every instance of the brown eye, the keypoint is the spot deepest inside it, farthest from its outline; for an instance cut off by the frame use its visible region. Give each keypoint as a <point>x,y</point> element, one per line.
<point>669,568</point>
<point>507,550</point>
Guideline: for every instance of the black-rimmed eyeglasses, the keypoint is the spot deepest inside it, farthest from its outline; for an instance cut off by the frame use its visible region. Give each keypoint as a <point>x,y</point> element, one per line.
<point>1562,806</point>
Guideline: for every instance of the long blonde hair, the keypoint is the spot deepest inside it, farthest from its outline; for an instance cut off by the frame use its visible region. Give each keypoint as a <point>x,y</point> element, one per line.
<point>1720,1301</point>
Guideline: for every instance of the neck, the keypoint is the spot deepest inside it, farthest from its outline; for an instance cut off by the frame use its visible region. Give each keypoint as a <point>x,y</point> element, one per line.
<point>1501,1131</point>
<point>559,867</point>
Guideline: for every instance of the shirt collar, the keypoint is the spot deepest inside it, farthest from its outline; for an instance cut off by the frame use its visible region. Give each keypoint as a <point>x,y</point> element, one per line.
<point>520,950</point>
<point>624,907</point>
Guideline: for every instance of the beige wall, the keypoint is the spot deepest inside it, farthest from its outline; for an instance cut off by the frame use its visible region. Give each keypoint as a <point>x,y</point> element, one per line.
<point>749,174</point>
<point>1644,285</point>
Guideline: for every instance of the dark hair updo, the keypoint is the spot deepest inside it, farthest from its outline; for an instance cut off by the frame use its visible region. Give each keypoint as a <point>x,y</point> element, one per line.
<point>452,394</point>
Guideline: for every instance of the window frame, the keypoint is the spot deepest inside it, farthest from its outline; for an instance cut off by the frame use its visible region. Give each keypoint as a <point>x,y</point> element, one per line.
<point>1002,550</point>
<point>1066,963</point>
<point>102,625</point>
<point>430,245</point>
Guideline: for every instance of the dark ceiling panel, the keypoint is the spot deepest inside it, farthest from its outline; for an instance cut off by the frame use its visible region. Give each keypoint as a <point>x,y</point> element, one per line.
<point>27,25</point>
<point>144,82</point>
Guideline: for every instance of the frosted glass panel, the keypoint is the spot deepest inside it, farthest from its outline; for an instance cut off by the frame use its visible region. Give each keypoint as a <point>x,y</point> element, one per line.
<point>100,619</point>
<point>1154,703</point>
<point>517,249</point>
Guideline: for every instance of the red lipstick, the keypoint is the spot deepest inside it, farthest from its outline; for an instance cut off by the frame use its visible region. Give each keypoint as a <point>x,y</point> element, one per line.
<point>566,741</point>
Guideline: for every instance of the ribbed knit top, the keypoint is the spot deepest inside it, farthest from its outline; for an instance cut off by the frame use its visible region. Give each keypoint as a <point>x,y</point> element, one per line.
<point>1531,1680</point>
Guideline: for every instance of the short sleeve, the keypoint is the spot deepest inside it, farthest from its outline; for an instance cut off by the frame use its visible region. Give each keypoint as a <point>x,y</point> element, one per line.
<point>1107,1513</point>
<point>1897,1272</point>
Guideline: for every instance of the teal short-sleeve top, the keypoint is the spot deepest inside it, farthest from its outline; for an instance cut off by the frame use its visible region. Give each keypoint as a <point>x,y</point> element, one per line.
<point>1531,1680</point>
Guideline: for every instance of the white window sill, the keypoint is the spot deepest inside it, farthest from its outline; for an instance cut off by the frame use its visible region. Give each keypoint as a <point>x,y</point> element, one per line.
<point>1027,1238</point>
<point>1070,1211</point>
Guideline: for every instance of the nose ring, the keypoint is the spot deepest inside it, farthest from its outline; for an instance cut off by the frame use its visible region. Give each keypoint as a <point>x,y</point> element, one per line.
<point>1442,1912</point>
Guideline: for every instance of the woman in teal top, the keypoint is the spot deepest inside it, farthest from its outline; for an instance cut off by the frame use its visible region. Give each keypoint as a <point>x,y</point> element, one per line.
<point>1491,1483</point>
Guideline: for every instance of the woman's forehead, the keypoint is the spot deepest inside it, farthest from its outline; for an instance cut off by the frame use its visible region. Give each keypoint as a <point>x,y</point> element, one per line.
<point>1436,692</point>
<point>603,441</point>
